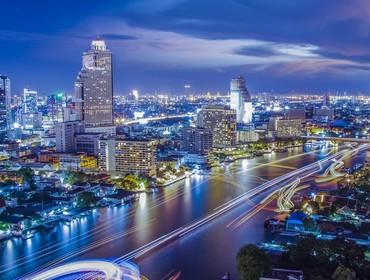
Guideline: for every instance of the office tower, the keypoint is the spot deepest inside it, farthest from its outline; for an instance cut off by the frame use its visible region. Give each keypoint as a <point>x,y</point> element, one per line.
<point>55,103</point>
<point>240,100</point>
<point>196,140</point>
<point>221,120</point>
<point>29,101</point>
<point>326,100</point>
<point>5,112</point>
<point>65,133</point>
<point>30,115</point>
<point>125,156</point>
<point>94,86</point>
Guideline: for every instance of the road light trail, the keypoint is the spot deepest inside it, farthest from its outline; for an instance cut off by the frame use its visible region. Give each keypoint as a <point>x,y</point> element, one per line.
<point>111,271</point>
<point>43,252</point>
<point>180,232</point>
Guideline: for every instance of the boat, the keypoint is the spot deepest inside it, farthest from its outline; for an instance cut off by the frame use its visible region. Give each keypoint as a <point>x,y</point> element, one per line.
<point>281,150</point>
<point>27,235</point>
<point>16,233</point>
<point>48,226</point>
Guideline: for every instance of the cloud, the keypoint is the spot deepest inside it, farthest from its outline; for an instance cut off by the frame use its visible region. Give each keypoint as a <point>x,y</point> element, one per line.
<point>110,37</point>
<point>174,50</point>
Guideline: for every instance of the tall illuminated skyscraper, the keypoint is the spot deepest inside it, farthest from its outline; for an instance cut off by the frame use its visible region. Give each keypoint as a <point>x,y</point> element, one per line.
<point>30,115</point>
<point>5,117</point>
<point>240,100</point>
<point>94,86</point>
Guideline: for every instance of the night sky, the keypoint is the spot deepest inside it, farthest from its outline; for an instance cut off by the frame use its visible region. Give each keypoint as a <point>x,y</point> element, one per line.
<point>278,45</point>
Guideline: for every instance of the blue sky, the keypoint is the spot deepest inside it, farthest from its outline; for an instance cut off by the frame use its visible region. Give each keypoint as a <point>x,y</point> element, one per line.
<point>278,45</point>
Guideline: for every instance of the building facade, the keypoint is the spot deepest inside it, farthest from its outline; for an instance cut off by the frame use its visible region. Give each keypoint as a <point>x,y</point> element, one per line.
<point>5,100</point>
<point>65,135</point>
<point>94,86</point>
<point>88,143</point>
<point>288,128</point>
<point>221,121</point>
<point>196,140</point>
<point>124,156</point>
<point>30,115</point>
<point>240,100</point>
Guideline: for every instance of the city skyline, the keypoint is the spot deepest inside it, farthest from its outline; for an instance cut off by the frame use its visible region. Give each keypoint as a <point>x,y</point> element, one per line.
<point>161,46</point>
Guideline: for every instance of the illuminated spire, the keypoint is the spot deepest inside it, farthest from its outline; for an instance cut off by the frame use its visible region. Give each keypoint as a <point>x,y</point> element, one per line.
<point>98,44</point>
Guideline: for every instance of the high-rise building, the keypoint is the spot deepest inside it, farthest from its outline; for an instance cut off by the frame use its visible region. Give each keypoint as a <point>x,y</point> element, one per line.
<point>221,120</point>
<point>240,100</point>
<point>94,86</point>
<point>326,100</point>
<point>30,115</point>
<point>65,135</point>
<point>55,103</point>
<point>196,140</point>
<point>29,101</point>
<point>5,112</point>
<point>125,156</point>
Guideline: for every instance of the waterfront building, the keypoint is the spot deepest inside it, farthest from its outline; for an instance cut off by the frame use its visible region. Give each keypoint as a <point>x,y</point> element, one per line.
<point>5,111</point>
<point>221,120</point>
<point>94,86</point>
<point>124,156</point>
<point>247,136</point>
<point>240,100</point>
<point>65,135</point>
<point>196,140</point>
<point>288,128</point>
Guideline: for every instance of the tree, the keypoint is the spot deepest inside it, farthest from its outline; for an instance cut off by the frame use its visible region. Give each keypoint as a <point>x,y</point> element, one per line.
<point>86,199</point>
<point>132,183</point>
<point>252,262</point>
<point>26,175</point>
<point>343,273</point>
<point>309,224</point>
<point>305,252</point>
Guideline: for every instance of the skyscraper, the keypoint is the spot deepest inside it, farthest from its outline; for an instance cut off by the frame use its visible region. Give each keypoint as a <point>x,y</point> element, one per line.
<point>5,117</point>
<point>326,100</point>
<point>240,100</point>
<point>94,86</point>
<point>29,101</point>
<point>30,115</point>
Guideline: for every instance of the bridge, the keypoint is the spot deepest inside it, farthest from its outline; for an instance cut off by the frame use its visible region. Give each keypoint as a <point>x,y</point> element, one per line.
<point>337,139</point>
<point>158,118</point>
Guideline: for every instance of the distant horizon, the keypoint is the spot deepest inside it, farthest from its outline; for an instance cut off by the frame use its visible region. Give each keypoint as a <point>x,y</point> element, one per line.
<point>272,93</point>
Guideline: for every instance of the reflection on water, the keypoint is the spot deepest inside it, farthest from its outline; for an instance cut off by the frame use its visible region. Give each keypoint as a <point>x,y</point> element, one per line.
<point>113,231</point>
